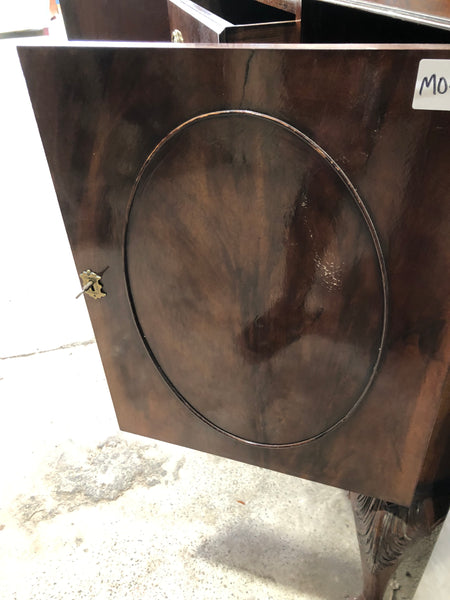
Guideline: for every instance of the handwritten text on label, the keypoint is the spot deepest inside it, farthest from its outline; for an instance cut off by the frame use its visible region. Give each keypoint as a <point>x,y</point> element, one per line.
<point>432,91</point>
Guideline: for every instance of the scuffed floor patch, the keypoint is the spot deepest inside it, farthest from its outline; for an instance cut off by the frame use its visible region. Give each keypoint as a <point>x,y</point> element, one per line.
<point>90,513</point>
<point>78,477</point>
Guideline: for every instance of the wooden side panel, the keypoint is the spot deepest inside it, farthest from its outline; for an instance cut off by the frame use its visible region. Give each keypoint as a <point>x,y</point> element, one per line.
<point>116,20</point>
<point>246,252</point>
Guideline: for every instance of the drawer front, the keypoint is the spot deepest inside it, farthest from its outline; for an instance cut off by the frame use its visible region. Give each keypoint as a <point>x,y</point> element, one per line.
<point>189,23</point>
<point>193,23</point>
<point>273,248</point>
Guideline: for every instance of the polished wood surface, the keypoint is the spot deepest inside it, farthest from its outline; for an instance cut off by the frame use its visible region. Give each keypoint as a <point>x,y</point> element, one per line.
<point>434,12</point>
<point>115,20</point>
<point>293,6</point>
<point>232,21</point>
<point>348,21</point>
<point>265,367</point>
<point>247,253</point>
<point>195,23</point>
<point>287,32</point>
<point>385,533</point>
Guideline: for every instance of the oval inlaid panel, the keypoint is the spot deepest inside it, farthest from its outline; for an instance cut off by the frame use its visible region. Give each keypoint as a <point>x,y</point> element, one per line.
<point>256,278</point>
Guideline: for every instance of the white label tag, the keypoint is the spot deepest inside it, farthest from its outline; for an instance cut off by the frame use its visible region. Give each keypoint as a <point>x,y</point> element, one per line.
<point>432,90</point>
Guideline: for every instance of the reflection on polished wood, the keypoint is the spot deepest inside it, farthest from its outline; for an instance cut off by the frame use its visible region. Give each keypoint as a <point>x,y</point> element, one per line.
<point>366,21</point>
<point>252,270</point>
<point>234,281</point>
<point>435,12</point>
<point>276,260</point>
<point>277,267</point>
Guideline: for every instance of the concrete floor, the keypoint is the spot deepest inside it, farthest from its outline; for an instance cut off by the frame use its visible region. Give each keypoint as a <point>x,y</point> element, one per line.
<point>95,513</point>
<point>89,512</point>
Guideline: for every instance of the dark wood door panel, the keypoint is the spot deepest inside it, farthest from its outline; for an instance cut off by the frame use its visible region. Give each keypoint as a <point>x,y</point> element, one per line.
<point>276,254</point>
<point>268,290</point>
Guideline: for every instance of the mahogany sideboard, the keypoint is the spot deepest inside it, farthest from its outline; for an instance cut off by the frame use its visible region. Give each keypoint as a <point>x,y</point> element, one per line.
<point>263,233</point>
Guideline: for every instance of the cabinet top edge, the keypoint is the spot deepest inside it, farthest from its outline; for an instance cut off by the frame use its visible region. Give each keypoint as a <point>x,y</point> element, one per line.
<point>239,46</point>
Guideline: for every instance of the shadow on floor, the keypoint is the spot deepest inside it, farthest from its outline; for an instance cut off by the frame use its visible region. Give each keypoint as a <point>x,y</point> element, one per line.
<point>290,562</point>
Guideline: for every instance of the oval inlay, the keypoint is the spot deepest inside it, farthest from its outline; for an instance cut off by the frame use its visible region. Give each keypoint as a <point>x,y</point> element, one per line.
<point>256,278</point>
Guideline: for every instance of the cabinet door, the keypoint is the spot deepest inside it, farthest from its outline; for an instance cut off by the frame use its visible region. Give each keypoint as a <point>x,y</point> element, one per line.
<point>271,229</point>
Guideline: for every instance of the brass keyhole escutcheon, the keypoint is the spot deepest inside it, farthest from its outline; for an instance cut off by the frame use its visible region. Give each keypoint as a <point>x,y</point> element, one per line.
<point>177,36</point>
<point>91,285</point>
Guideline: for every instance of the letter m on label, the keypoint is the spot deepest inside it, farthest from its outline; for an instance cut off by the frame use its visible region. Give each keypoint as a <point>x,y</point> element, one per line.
<point>427,82</point>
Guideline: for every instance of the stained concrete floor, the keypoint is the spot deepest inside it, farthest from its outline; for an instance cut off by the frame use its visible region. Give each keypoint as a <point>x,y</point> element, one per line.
<point>94,513</point>
<point>89,512</point>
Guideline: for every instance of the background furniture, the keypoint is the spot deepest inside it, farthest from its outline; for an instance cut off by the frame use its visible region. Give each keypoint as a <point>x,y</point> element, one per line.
<point>133,20</point>
<point>395,21</point>
<point>234,21</point>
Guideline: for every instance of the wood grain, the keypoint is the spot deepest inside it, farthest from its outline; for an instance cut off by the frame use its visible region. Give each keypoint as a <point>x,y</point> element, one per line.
<point>311,278</point>
<point>286,32</point>
<point>293,6</point>
<point>116,20</point>
<point>348,21</point>
<point>433,12</point>
<point>195,23</point>
<point>212,21</point>
<point>101,114</point>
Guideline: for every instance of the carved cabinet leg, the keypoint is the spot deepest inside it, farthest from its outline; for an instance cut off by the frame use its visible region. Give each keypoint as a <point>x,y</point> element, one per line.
<point>385,530</point>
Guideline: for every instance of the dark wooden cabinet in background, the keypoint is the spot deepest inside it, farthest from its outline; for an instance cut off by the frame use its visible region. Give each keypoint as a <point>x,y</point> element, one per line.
<point>271,230</point>
<point>424,12</point>
<point>269,21</point>
<point>214,21</point>
<point>115,20</point>
<point>375,21</point>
